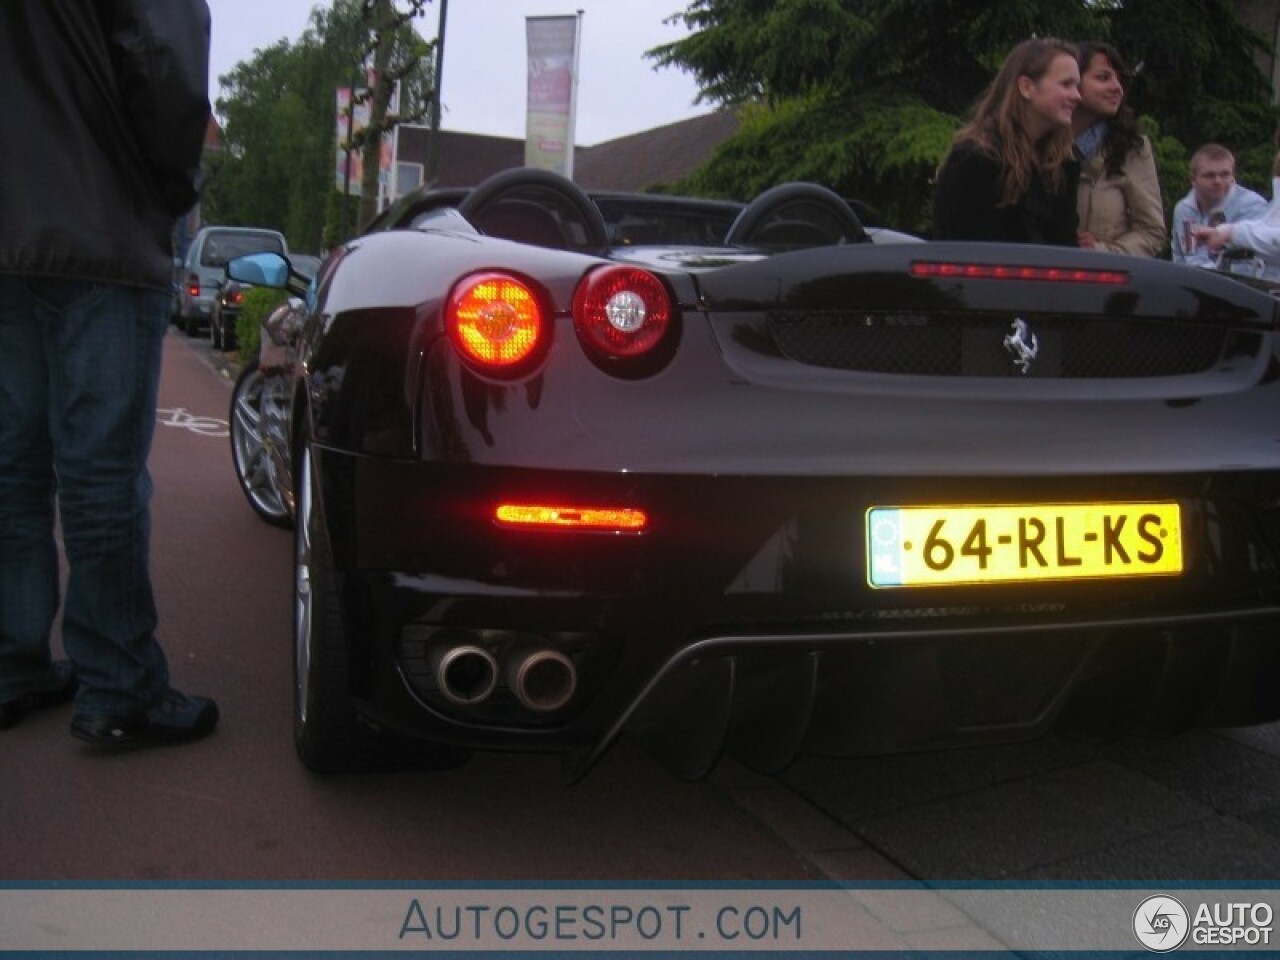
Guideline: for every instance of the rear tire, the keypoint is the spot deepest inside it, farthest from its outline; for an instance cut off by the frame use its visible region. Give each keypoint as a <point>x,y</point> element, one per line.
<point>325,733</point>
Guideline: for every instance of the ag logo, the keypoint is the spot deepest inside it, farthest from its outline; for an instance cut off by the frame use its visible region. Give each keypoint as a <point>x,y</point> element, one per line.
<point>1161,924</point>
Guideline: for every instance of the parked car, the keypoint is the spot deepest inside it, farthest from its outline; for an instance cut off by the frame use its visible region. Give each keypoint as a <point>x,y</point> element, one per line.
<point>175,288</point>
<point>206,262</point>
<point>230,298</point>
<point>226,312</point>
<point>786,489</point>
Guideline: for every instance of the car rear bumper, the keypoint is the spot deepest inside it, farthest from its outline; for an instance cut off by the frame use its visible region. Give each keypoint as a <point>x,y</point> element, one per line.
<point>198,309</point>
<point>743,618</point>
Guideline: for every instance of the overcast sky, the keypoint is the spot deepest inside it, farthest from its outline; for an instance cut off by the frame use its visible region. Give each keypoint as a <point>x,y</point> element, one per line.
<point>619,91</point>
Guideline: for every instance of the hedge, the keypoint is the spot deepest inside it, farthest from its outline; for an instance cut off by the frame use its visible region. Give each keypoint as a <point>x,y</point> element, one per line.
<point>257,306</point>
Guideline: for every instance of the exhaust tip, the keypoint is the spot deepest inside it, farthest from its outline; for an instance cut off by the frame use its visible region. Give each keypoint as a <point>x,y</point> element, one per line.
<point>466,675</point>
<point>543,680</point>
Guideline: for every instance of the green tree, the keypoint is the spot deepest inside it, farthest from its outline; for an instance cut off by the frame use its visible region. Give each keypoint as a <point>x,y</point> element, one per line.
<point>279,125</point>
<point>1199,78</point>
<point>864,95</point>
<point>402,61</point>
<point>250,183</point>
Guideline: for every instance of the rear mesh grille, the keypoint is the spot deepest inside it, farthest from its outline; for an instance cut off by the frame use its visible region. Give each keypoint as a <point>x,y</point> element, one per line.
<point>949,345</point>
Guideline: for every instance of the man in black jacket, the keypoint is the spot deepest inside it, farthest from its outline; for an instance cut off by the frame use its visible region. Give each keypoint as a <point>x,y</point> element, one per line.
<point>104,109</point>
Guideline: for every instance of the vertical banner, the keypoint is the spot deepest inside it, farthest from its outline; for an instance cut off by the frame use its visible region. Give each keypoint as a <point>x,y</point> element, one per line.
<point>349,122</point>
<point>553,92</point>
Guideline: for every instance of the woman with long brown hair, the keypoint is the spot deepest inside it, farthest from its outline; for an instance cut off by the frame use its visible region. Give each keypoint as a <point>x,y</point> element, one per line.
<point>1010,174</point>
<point>1119,201</point>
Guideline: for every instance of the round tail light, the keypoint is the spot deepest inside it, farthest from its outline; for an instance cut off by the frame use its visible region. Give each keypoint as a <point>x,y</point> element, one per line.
<point>621,312</point>
<point>495,320</point>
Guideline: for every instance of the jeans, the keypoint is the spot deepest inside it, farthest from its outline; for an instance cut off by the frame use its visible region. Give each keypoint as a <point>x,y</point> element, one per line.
<point>79,374</point>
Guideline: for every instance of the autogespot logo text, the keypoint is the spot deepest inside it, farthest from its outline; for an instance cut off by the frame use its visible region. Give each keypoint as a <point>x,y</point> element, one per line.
<point>1161,923</point>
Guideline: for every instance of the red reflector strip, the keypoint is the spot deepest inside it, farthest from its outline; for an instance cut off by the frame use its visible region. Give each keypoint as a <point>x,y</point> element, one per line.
<point>991,271</point>
<point>582,518</point>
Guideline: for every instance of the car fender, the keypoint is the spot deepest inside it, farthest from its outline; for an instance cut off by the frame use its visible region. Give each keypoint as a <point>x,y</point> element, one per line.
<point>414,268</point>
<point>377,314</point>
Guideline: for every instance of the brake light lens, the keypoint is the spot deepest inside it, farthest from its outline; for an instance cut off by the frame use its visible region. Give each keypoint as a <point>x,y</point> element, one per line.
<point>193,285</point>
<point>494,319</point>
<point>562,516</point>
<point>621,311</point>
<point>990,271</point>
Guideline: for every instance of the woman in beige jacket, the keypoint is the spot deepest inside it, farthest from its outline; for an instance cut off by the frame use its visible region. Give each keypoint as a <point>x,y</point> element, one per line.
<point>1119,199</point>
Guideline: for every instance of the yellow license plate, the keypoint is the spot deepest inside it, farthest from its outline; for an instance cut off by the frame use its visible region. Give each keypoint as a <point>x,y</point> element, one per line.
<point>932,546</point>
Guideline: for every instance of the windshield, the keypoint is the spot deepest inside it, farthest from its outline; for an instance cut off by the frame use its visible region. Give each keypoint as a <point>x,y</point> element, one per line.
<point>221,247</point>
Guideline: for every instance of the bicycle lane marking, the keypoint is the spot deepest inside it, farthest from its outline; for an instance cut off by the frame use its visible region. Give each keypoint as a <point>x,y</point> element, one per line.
<point>202,426</point>
<point>189,393</point>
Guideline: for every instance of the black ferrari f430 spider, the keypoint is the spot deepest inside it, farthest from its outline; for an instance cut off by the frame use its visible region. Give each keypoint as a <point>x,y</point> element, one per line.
<point>752,478</point>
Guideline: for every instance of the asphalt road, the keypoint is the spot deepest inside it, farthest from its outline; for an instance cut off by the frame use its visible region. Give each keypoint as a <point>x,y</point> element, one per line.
<point>238,807</point>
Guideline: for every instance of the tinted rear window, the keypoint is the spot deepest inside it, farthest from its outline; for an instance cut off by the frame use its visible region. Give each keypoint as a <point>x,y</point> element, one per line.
<point>220,247</point>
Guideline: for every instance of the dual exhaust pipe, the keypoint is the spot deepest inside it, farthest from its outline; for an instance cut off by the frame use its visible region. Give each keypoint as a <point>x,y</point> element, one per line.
<point>542,680</point>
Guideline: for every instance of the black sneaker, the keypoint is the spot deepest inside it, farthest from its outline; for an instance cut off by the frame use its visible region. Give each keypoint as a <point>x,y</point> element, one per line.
<point>177,718</point>
<point>60,688</point>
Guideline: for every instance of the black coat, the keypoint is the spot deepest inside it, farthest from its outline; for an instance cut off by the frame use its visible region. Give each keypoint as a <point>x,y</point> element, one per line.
<point>967,204</point>
<point>104,108</point>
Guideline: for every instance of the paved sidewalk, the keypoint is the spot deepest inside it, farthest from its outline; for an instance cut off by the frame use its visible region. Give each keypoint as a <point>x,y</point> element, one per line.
<point>891,919</point>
